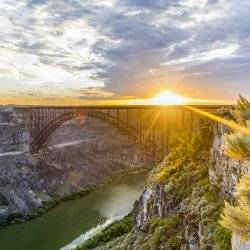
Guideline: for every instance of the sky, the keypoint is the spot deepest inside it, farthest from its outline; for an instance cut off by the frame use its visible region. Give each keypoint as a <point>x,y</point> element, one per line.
<point>82,50</point>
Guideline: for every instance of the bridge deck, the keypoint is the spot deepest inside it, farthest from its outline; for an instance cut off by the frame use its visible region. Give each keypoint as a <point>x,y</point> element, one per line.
<point>149,126</point>
<point>200,106</point>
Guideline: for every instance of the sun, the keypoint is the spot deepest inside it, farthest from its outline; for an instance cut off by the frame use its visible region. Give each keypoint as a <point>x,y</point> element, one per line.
<point>168,98</point>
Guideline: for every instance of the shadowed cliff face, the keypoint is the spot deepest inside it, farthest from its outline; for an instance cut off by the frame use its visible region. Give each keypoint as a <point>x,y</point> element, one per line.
<point>81,152</point>
<point>88,149</point>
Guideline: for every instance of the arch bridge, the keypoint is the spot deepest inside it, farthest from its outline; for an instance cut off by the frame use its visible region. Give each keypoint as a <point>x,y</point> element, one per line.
<point>149,127</point>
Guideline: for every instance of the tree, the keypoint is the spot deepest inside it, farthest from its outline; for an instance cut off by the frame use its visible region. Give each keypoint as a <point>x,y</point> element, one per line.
<point>237,146</point>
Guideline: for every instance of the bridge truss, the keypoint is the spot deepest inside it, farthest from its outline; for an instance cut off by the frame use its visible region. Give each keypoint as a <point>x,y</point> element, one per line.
<point>149,127</point>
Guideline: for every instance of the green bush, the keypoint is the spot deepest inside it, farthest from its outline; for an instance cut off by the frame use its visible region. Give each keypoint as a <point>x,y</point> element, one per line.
<point>174,243</point>
<point>184,173</point>
<point>222,238</point>
<point>188,150</point>
<point>168,224</point>
<point>113,231</point>
<point>164,233</point>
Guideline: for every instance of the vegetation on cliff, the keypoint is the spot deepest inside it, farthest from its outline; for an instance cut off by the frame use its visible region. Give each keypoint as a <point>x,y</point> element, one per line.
<point>237,146</point>
<point>193,205</point>
<point>113,231</point>
<point>184,173</point>
<point>163,233</point>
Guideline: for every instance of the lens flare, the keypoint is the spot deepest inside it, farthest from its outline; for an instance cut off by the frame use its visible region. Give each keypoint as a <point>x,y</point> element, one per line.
<point>229,123</point>
<point>168,98</point>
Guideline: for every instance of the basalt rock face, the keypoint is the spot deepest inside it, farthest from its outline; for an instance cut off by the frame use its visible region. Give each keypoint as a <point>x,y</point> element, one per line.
<point>80,153</point>
<point>223,171</point>
<point>225,174</point>
<point>157,202</point>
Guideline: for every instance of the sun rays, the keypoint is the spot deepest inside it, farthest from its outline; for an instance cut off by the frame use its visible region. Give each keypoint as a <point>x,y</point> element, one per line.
<point>168,98</point>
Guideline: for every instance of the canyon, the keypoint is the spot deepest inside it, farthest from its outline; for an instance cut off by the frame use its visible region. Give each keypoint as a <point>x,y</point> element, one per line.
<point>86,152</point>
<point>82,153</point>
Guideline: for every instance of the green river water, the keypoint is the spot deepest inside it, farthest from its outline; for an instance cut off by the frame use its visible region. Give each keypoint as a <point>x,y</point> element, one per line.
<point>69,220</point>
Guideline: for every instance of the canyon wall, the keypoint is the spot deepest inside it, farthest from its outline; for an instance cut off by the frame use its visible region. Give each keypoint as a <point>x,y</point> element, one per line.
<point>157,202</point>
<point>81,153</point>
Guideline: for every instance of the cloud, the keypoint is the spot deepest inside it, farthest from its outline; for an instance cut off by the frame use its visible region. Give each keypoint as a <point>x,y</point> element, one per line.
<point>148,4</point>
<point>127,47</point>
<point>93,93</point>
<point>46,44</point>
<point>225,52</point>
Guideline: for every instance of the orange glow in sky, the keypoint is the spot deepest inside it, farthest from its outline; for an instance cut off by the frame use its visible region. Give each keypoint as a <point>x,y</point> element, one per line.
<point>165,97</point>
<point>169,98</point>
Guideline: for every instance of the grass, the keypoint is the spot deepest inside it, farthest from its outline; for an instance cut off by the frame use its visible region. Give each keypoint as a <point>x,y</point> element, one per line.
<point>113,231</point>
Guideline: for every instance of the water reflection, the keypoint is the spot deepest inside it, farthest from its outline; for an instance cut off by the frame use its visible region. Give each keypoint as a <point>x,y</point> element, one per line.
<point>71,220</point>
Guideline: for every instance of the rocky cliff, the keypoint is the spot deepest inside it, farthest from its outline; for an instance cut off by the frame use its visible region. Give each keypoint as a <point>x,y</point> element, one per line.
<point>184,196</point>
<point>79,154</point>
<point>223,171</point>
<point>198,211</point>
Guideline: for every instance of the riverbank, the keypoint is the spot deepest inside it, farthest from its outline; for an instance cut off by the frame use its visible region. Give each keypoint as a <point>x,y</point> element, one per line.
<point>78,219</point>
<point>109,234</point>
<point>181,204</point>
<point>56,198</point>
<point>79,154</point>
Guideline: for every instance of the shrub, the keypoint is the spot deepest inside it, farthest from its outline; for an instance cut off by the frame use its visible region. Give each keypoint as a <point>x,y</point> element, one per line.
<point>164,233</point>
<point>237,146</point>
<point>167,223</point>
<point>222,238</point>
<point>188,149</point>
<point>185,175</point>
<point>114,230</point>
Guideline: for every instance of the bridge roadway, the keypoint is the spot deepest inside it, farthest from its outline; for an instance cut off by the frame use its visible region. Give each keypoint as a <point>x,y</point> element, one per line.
<point>149,127</point>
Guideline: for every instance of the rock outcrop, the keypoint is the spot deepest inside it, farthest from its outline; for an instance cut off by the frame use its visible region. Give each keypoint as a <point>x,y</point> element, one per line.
<point>80,153</point>
<point>223,171</point>
<point>157,202</point>
<point>225,174</point>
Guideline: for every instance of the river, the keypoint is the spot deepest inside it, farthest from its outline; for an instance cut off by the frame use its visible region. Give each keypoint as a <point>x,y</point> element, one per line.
<point>75,220</point>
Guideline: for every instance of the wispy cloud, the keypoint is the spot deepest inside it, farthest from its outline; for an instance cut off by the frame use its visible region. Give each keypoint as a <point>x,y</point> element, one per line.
<point>130,47</point>
<point>93,93</point>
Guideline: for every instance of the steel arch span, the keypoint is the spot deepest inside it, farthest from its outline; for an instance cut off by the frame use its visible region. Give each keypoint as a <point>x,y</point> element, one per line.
<point>148,126</point>
<point>125,128</point>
